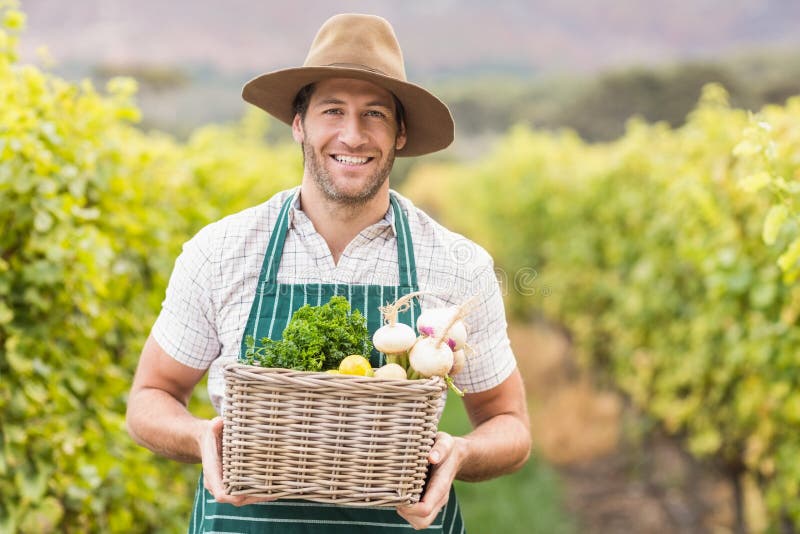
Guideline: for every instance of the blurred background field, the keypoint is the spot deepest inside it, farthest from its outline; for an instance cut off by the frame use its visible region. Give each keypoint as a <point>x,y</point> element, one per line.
<point>632,167</point>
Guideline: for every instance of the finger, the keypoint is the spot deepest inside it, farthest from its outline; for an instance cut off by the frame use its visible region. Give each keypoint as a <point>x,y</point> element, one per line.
<point>413,520</point>
<point>424,512</point>
<point>253,500</point>
<point>211,456</point>
<point>243,500</point>
<point>419,522</point>
<point>212,468</point>
<point>217,425</point>
<point>441,448</point>
<point>424,508</point>
<point>239,500</point>
<point>213,484</point>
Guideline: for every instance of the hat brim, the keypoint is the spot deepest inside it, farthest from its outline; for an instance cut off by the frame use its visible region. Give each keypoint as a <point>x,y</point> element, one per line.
<point>429,124</point>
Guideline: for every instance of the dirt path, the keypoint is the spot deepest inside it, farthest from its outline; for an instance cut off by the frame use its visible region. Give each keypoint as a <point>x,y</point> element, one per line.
<point>614,480</point>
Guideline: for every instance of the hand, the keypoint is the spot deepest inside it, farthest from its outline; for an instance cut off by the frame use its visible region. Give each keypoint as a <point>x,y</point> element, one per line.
<point>446,457</point>
<point>211,452</point>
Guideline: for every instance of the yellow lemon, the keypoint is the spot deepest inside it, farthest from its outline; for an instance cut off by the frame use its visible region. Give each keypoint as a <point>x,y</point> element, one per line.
<point>355,364</point>
<point>333,372</point>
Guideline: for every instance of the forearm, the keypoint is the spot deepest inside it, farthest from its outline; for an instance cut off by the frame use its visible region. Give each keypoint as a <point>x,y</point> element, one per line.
<point>498,446</point>
<point>160,422</point>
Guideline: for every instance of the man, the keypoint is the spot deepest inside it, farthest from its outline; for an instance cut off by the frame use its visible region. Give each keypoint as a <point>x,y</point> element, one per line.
<point>352,110</point>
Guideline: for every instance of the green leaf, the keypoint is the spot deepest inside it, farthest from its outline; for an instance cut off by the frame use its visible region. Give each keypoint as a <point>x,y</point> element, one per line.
<point>14,20</point>
<point>19,362</point>
<point>763,295</point>
<point>791,408</point>
<point>746,149</point>
<point>792,187</point>
<point>44,518</point>
<point>90,475</point>
<point>32,486</point>
<point>789,259</point>
<point>43,221</point>
<point>6,314</point>
<point>773,223</point>
<point>755,182</point>
<point>316,338</point>
<point>705,442</point>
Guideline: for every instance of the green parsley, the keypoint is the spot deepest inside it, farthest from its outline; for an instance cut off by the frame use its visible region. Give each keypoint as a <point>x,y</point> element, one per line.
<point>317,338</point>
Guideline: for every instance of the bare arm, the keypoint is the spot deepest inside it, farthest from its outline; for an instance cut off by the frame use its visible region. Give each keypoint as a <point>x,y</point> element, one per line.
<point>501,441</point>
<point>157,416</point>
<point>499,444</point>
<point>158,419</point>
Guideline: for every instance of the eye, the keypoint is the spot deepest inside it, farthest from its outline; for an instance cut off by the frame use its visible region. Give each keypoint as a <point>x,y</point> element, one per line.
<point>376,113</point>
<point>332,111</point>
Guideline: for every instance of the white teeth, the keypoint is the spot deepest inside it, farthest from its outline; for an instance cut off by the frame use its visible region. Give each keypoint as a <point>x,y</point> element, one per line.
<point>351,160</point>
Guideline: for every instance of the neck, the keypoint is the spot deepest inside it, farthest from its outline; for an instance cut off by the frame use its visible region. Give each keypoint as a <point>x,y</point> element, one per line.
<point>339,223</point>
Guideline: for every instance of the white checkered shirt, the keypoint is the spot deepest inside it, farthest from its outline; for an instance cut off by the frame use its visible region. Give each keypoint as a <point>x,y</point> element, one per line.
<point>213,285</point>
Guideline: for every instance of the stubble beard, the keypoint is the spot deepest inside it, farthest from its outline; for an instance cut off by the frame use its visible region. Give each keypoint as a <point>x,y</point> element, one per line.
<point>324,181</point>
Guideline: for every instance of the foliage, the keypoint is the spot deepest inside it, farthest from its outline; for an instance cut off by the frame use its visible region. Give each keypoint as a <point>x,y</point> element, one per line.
<point>93,213</point>
<point>317,338</point>
<point>671,254</point>
<point>767,153</point>
<point>529,501</point>
<point>664,254</point>
<point>598,105</point>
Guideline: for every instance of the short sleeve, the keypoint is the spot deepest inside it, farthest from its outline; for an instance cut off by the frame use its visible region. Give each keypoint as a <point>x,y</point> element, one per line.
<point>185,327</point>
<point>489,358</point>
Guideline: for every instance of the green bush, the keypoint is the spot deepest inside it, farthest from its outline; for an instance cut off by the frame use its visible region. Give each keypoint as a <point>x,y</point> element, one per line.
<point>93,213</point>
<point>672,256</point>
<point>526,502</point>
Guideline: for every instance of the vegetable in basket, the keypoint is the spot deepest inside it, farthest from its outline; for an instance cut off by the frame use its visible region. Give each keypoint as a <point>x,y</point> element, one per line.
<point>317,338</point>
<point>439,351</point>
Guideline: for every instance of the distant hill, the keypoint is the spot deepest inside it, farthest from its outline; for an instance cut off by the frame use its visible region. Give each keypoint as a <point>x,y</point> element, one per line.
<point>438,36</point>
<point>578,64</point>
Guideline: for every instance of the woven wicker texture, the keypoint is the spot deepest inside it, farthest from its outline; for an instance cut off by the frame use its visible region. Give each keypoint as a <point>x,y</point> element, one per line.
<point>348,440</point>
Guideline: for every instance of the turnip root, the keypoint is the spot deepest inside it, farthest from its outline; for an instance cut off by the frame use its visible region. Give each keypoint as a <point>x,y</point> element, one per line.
<point>433,322</point>
<point>443,332</point>
<point>459,359</point>
<point>392,371</point>
<point>430,357</point>
<point>394,337</point>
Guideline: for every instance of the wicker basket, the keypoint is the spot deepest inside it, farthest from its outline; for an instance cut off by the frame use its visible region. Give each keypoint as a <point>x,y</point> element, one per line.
<point>348,440</point>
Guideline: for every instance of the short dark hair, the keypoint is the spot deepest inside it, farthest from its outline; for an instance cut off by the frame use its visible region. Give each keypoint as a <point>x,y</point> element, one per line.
<point>303,97</point>
<point>301,100</point>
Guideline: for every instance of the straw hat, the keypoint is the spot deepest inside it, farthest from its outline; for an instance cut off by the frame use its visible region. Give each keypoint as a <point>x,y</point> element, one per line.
<point>362,47</point>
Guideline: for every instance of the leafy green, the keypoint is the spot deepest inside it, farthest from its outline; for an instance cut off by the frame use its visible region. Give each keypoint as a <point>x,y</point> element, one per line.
<point>652,254</point>
<point>93,212</point>
<point>317,338</point>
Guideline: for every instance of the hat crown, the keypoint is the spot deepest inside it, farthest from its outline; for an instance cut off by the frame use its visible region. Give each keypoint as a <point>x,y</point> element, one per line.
<point>360,41</point>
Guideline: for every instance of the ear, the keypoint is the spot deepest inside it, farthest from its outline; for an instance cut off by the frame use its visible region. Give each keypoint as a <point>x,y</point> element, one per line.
<point>400,140</point>
<point>297,129</point>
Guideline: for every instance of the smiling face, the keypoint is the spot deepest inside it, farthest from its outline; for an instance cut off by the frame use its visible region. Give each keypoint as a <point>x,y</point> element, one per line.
<point>349,136</point>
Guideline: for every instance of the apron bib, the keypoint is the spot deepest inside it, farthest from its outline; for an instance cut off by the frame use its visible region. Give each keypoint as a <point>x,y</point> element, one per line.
<point>271,311</point>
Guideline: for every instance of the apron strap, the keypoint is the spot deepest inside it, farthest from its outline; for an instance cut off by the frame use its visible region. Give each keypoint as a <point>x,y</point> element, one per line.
<point>272,259</point>
<point>407,267</point>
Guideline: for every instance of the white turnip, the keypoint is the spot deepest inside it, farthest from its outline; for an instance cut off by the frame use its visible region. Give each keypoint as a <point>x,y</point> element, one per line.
<point>459,359</point>
<point>394,337</point>
<point>433,322</point>
<point>430,357</point>
<point>391,370</point>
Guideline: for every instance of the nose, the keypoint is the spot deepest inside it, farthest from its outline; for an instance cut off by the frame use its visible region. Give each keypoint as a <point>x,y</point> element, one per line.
<point>352,132</point>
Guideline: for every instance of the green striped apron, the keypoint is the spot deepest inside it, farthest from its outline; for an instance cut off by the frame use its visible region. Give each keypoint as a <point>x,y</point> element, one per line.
<point>272,308</point>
